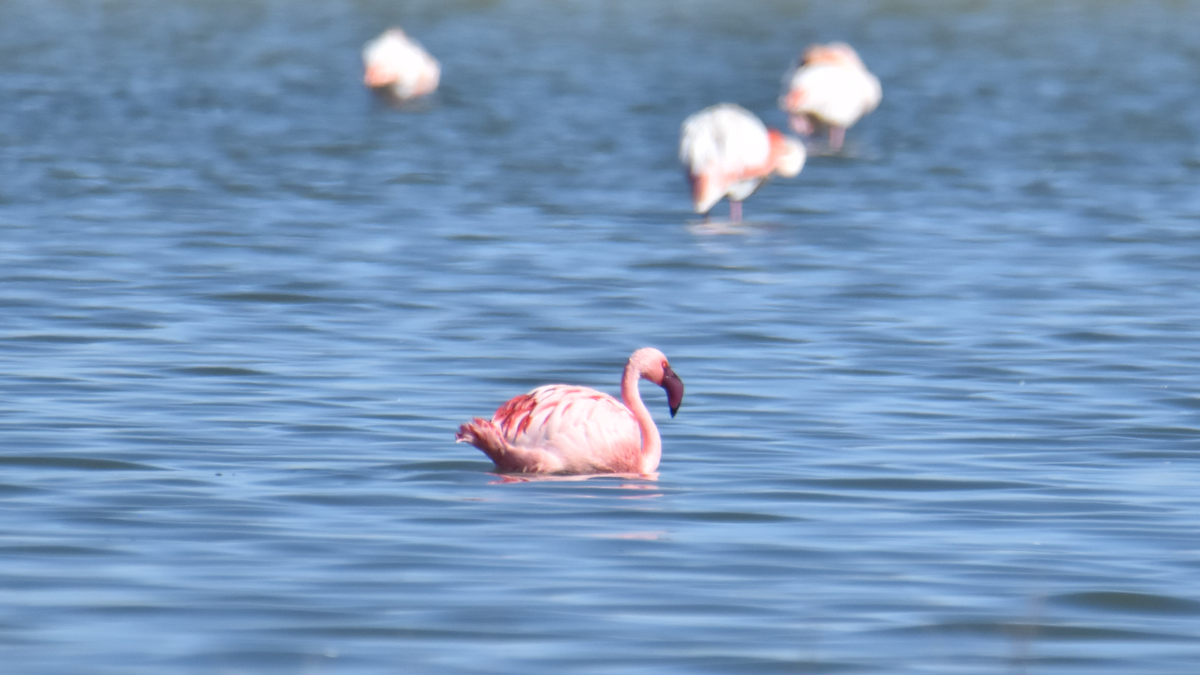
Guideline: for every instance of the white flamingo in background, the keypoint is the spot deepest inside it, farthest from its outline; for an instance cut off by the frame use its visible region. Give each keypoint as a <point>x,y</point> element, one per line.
<point>564,429</point>
<point>398,65</point>
<point>831,86</point>
<point>728,152</point>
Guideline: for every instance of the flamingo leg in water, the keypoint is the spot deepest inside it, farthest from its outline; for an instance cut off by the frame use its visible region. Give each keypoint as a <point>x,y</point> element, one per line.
<point>837,136</point>
<point>735,211</point>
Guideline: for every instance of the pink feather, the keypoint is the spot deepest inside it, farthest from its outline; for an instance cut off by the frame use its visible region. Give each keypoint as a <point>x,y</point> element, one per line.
<point>565,429</point>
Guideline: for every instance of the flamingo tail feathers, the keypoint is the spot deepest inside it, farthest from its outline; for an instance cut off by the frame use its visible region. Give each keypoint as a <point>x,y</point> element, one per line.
<point>485,435</point>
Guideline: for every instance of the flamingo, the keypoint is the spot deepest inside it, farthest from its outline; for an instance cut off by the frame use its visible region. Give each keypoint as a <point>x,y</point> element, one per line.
<point>563,429</point>
<point>398,65</point>
<point>829,85</point>
<point>728,152</point>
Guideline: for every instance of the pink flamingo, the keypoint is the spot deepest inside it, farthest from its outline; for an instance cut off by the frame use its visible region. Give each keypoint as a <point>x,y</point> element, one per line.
<point>728,152</point>
<point>563,429</point>
<point>829,85</point>
<point>399,66</point>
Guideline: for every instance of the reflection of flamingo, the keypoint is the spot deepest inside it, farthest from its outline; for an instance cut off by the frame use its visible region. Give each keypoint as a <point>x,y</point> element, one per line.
<point>398,65</point>
<point>829,85</point>
<point>729,153</point>
<point>559,428</point>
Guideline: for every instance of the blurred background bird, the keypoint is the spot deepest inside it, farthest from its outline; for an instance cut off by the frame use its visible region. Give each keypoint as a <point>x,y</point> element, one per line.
<point>830,86</point>
<point>398,66</point>
<point>728,152</point>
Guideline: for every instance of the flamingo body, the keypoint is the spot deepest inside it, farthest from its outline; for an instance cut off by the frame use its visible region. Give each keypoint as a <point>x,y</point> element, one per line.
<point>566,429</point>
<point>728,152</point>
<point>398,65</point>
<point>829,85</point>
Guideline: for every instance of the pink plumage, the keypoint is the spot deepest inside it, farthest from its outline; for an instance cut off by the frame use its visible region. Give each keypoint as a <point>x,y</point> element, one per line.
<point>564,429</point>
<point>728,152</point>
<point>829,85</point>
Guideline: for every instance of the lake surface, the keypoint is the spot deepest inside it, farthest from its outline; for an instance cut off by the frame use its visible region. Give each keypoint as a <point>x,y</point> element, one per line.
<point>943,389</point>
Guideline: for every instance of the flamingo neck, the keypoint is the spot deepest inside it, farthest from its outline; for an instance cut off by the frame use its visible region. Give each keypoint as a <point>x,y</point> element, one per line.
<point>651,441</point>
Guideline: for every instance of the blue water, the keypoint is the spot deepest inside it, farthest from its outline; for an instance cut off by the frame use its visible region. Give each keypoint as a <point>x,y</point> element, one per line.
<point>942,410</point>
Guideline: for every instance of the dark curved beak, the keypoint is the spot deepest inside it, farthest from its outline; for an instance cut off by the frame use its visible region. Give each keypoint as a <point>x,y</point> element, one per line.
<point>674,387</point>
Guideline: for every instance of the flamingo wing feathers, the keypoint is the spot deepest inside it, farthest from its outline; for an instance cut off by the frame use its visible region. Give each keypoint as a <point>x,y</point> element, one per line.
<point>564,429</point>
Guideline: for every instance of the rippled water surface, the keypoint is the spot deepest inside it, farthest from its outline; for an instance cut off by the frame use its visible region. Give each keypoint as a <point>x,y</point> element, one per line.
<point>943,389</point>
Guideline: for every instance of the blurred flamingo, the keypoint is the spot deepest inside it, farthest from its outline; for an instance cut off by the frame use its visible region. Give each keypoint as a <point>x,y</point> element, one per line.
<point>399,66</point>
<point>831,86</point>
<point>728,152</point>
<point>564,429</point>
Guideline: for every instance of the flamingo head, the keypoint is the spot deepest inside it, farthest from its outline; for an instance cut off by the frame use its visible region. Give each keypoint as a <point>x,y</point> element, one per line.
<point>674,387</point>
<point>788,153</point>
<point>652,365</point>
<point>800,124</point>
